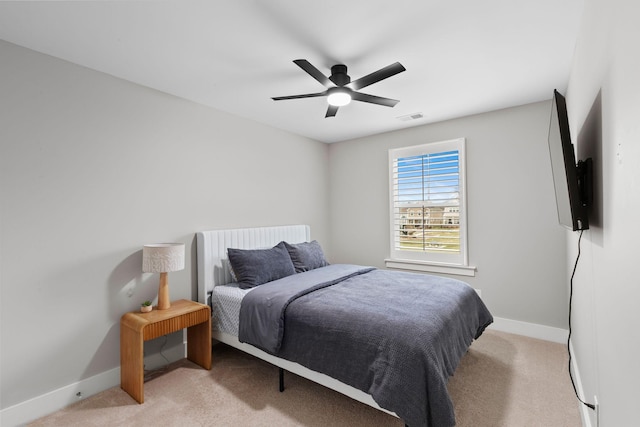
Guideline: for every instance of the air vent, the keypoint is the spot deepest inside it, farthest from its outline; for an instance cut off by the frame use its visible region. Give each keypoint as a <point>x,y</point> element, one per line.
<point>414,116</point>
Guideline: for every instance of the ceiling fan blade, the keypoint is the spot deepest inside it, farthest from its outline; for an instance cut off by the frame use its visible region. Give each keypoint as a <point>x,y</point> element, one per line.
<point>306,95</point>
<point>313,72</point>
<point>387,102</point>
<point>376,76</point>
<point>331,111</point>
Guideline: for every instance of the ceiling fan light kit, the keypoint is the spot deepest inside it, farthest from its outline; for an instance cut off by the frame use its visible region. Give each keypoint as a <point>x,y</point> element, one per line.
<point>339,96</point>
<point>341,90</point>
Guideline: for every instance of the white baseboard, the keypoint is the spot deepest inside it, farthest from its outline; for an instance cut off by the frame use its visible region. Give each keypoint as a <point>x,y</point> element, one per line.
<point>533,330</point>
<point>22,413</point>
<point>32,409</point>
<point>585,412</point>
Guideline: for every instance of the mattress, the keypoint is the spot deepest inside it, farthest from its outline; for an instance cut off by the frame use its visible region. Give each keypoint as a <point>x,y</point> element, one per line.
<point>225,308</point>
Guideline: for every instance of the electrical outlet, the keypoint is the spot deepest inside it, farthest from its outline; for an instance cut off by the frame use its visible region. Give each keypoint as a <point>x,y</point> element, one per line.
<point>595,403</point>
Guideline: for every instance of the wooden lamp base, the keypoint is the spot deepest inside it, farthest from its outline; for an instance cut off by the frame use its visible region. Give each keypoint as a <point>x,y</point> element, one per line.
<point>164,302</point>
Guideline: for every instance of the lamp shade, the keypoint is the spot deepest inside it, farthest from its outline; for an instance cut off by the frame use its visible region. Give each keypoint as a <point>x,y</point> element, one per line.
<point>162,257</point>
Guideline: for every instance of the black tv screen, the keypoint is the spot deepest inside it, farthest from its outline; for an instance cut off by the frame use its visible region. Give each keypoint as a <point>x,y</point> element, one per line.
<point>571,181</point>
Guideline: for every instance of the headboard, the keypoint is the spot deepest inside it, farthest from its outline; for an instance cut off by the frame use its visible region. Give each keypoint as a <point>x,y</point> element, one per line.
<point>212,250</point>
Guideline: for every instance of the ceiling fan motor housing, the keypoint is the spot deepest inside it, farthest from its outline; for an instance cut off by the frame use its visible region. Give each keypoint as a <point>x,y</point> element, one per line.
<point>339,75</point>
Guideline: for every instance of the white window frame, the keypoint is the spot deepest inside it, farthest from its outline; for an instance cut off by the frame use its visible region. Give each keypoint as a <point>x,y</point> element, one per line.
<point>429,261</point>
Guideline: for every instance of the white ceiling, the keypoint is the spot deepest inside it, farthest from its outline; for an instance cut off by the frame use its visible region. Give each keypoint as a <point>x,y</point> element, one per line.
<point>462,56</point>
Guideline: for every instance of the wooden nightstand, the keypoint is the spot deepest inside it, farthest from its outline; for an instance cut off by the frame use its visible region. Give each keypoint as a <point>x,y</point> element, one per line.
<point>136,327</point>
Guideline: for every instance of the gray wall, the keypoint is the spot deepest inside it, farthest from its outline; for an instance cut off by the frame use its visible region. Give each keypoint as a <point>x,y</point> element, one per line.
<point>514,237</point>
<point>92,168</point>
<point>604,110</point>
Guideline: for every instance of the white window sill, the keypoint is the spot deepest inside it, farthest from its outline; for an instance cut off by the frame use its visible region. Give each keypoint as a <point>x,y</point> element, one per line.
<point>431,267</point>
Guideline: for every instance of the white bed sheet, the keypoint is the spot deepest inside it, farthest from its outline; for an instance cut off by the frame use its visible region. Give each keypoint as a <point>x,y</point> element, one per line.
<point>225,308</point>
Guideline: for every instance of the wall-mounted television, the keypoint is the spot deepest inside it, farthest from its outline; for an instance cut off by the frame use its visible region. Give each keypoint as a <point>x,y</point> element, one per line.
<point>572,181</point>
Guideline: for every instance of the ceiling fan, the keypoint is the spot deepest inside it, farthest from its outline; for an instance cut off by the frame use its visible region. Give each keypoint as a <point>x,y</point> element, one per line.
<point>341,90</point>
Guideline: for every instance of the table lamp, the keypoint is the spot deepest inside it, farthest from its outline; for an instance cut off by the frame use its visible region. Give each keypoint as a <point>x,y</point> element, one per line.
<point>163,258</point>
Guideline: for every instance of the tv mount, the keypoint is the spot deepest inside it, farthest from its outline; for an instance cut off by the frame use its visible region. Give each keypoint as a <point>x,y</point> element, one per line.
<point>584,170</point>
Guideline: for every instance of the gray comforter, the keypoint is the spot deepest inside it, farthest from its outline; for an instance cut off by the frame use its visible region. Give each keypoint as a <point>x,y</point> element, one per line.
<point>397,336</point>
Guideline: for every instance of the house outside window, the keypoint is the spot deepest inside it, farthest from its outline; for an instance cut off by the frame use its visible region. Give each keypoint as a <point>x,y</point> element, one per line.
<point>428,208</point>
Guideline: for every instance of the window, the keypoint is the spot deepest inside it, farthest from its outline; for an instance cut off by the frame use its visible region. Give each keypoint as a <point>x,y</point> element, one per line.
<point>428,209</point>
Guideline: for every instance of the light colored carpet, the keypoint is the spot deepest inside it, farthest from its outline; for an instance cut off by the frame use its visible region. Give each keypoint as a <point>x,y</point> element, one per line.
<point>504,380</point>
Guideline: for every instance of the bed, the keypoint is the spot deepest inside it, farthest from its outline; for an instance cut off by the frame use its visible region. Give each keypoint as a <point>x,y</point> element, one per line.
<point>318,333</point>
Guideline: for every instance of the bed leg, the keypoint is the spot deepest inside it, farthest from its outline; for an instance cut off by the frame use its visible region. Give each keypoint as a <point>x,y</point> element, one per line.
<point>281,374</point>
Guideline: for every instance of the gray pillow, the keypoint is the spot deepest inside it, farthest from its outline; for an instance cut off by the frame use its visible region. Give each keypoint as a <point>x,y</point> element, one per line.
<point>306,256</point>
<point>253,267</point>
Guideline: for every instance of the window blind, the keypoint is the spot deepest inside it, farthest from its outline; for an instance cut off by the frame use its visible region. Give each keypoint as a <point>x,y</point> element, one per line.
<point>426,202</point>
